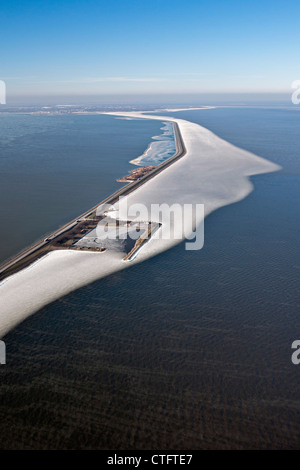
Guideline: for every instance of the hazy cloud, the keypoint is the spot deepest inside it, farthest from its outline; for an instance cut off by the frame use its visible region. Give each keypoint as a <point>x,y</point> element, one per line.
<point>111,79</point>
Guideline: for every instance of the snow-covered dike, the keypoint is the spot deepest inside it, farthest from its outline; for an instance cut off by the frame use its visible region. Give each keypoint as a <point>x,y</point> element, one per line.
<point>213,172</point>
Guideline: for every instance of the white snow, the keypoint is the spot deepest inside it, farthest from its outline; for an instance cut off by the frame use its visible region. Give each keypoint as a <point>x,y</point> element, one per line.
<point>213,172</point>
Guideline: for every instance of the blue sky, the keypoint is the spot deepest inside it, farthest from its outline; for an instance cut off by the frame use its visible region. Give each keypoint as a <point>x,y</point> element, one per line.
<point>151,46</point>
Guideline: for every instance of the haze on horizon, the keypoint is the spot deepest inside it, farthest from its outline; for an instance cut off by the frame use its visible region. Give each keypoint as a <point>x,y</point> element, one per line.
<point>60,50</point>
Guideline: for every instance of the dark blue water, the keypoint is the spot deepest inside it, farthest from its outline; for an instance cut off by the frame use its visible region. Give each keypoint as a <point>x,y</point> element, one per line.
<point>271,133</point>
<point>188,350</point>
<point>53,168</point>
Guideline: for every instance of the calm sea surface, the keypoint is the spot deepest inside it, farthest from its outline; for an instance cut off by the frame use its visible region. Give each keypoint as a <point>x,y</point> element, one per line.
<point>188,350</point>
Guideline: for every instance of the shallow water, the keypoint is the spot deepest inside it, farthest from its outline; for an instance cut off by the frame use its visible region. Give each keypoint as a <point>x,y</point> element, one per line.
<point>188,350</point>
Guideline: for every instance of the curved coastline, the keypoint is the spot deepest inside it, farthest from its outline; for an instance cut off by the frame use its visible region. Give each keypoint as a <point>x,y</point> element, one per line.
<point>217,174</point>
<point>157,147</point>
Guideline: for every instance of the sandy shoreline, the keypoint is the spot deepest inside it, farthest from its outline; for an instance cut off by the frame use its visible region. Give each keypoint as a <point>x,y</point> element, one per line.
<point>217,174</point>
